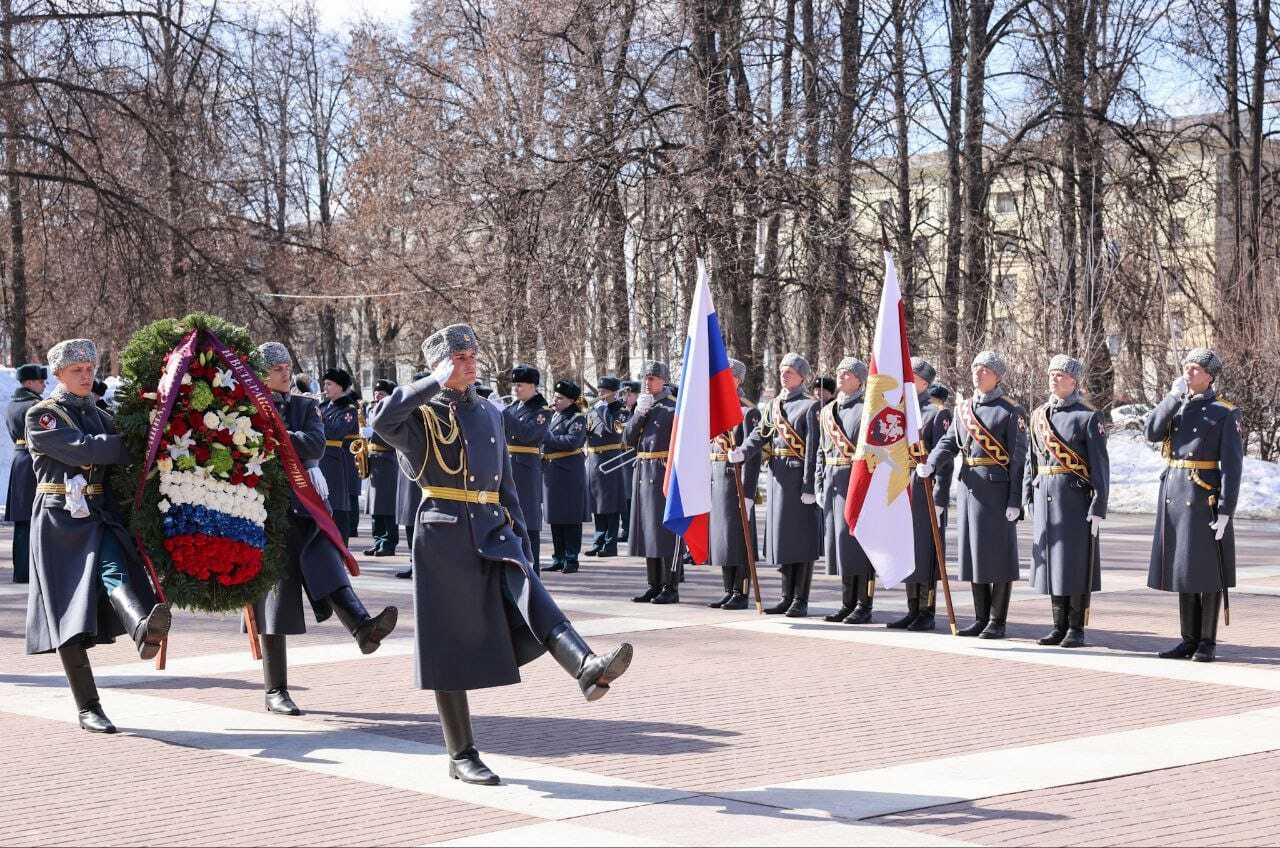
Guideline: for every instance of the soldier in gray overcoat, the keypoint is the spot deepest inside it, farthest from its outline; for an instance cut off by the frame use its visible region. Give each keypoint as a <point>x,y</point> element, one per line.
<point>384,480</point>
<point>22,477</point>
<point>341,428</point>
<point>315,566</point>
<point>935,421</point>
<point>526,421</point>
<point>1066,484</point>
<point>1193,552</point>
<point>88,583</point>
<point>480,608</point>
<point>989,434</point>
<point>839,423</point>
<point>630,395</point>
<point>789,428</point>
<point>649,432</point>
<point>727,544</point>
<point>564,475</point>
<point>607,492</point>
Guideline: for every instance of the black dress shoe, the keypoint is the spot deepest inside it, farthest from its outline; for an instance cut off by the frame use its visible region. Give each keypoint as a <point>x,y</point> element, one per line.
<point>370,634</point>
<point>720,603</point>
<point>668,595</point>
<point>385,552</point>
<point>737,601</point>
<point>406,574</point>
<point>608,552</point>
<point>1074,638</point>
<point>839,615</point>
<point>992,631</point>
<point>592,552</point>
<point>467,767</point>
<point>974,629</point>
<point>1054,637</point>
<point>798,609</point>
<point>570,568</point>
<point>555,566</point>
<point>860,615</point>
<point>1205,652</point>
<point>94,720</point>
<point>903,623</point>
<point>279,702</point>
<point>924,622</point>
<point>649,595</point>
<point>1181,651</point>
<point>370,552</point>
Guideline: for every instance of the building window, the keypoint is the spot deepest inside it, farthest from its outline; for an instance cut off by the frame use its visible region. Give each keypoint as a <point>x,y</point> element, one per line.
<point>1177,188</point>
<point>922,209</point>
<point>1005,203</point>
<point>1173,280</point>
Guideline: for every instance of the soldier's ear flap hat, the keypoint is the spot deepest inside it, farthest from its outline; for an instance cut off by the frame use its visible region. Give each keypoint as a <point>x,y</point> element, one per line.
<point>337,375</point>
<point>454,338</point>
<point>72,352</point>
<point>1067,365</point>
<point>384,386</point>
<point>1206,359</point>
<point>797,362</point>
<point>526,374</point>
<point>631,386</point>
<point>923,369</point>
<point>273,354</point>
<point>32,371</point>
<point>992,360</point>
<point>738,368</point>
<point>568,389</point>
<point>857,366</point>
<point>654,368</point>
<point>611,384</point>
<point>939,392</point>
<point>828,383</point>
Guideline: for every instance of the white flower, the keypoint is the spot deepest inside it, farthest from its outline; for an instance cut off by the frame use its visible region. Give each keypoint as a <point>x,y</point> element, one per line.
<point>226,379</point>
<point>211,420</point>
<point>186,379</point>
<point>238,439</point>
<point>165,464</point>
<point>181,446</point>
<point>164,506</point>
<point>254,467</point>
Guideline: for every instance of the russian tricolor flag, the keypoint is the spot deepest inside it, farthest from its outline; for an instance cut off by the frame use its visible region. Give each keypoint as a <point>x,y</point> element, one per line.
<point>708,406</point>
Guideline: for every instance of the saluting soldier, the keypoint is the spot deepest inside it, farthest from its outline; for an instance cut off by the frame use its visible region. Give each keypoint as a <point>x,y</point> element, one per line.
<point>564,473</point>
<point>793,529</point>
<point>935,421</point>
<point>480,608</point>
<point>649,432</point>
<point>341,427</point>
<point>408,496</point>
<point>384,479</point>
<point>526,420</point>
<point>1194,550</point>
<point>727,543</point>
<point>839,423</point>
<point>1066,485</point>
<point>607,493</point>
<point>22,478</point>
<point>314,565</point>
<point>88,584</point>
<point>989,434</point>
<point>630,395</point>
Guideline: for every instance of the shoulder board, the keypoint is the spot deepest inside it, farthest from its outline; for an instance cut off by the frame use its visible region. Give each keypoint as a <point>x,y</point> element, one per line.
<point>1228,404</point>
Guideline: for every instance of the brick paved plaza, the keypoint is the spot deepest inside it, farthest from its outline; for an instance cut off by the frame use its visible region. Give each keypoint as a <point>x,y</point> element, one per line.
<point>729,729</point>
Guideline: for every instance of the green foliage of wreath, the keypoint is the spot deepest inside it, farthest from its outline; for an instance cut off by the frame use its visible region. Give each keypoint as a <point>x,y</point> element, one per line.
<point>142,363</point>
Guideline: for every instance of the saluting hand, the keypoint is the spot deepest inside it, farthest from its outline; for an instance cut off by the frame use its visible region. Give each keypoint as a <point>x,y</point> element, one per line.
<point>644,403</point>
<point>443,371</point>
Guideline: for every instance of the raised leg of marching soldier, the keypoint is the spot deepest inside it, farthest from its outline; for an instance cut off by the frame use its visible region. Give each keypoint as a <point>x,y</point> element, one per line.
<point>1193,549</point>
<point>87,583</point>
<point>480,608</point>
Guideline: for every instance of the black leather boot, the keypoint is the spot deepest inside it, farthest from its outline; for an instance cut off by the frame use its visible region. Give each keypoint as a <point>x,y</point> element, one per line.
<point>913,610</point>
<point>866,597</point>
<point>981,609</point>
<point>738,600</point>
<point>367,630</point>
<point>1000,594</point>
<point>1076,606</point>
<point>1061,607</point>
<point>146,628</point>
<point>406,574</point>
<point>803,583</point>
<point>848,598</point>
<point>275,675</point>
<point>455,724</point>
<point>593,672</point>
<point>653,573</point>
<point>75,662</point>
<point>788,591</point>
<point>1206,651</point>
<point>726,578</point>
<point>670,593</point>
<point>1189,619</point>
<point>927,619</point>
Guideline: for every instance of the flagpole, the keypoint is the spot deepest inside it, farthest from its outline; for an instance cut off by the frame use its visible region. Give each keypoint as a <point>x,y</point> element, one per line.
<point>746,537</point>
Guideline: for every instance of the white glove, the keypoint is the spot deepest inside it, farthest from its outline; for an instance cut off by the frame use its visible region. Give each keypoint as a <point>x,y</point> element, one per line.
<point>924,471</point>
<point>1095,524</point>
<point>318,482</point>
<point>749,504</point>
<point>366,432</point>
<point>808,500</point>
<point>941,511</point>
<point>1220,526</point>
<point>443,371</point>
<point>1012,513</point>
<point>76,504</point>
<point>496,402</point>
<point>1179,386</point>
<point>737,455</point>
<point>644,403</point>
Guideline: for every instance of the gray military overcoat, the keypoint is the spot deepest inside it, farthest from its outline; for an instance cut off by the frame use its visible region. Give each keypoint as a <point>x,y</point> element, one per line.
<point>794,529</point>
<point>651,433</point>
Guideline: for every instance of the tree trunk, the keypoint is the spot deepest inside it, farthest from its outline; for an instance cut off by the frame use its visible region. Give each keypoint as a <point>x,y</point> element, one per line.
<point>17,317</point>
